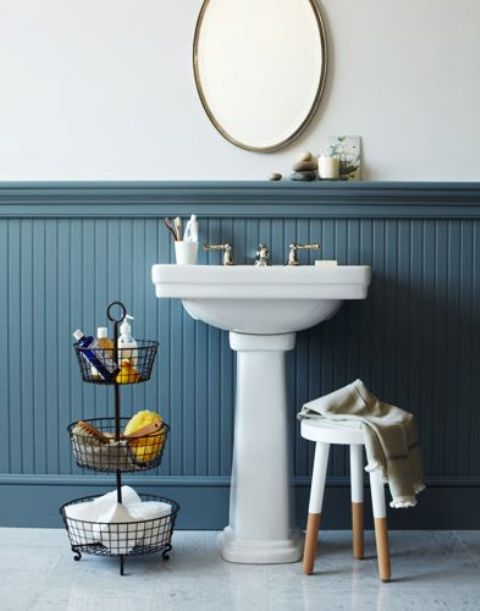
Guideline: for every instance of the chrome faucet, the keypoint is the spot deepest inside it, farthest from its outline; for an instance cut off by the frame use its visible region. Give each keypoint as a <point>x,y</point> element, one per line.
<point>293,251</point>
<point>263,256</point>
<point>227,258</point>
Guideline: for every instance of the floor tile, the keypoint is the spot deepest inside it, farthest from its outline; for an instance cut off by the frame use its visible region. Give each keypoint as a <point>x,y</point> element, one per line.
<point>432,571</point>
<point>470,539</point>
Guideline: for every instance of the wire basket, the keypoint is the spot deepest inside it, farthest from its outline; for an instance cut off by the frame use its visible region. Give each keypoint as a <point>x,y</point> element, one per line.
<point>120,538</point>
<point>136,454</point>
<point>134,365</point>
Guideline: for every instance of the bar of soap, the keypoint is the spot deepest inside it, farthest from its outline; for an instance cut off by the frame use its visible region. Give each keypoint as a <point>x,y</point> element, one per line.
<point>325,263</point>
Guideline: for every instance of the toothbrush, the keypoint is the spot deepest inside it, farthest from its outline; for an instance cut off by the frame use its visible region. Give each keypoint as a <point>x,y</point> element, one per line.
<point>178,228</point>
<point>168,225</point>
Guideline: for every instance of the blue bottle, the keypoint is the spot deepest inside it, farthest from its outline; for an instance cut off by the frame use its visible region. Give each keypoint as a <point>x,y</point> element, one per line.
<point>105,366</point>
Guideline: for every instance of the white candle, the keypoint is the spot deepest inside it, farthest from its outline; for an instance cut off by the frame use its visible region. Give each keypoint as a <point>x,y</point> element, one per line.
<point>328,167</point>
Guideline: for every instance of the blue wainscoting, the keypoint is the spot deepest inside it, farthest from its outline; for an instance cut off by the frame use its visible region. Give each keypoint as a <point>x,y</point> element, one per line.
<point>67,249</point>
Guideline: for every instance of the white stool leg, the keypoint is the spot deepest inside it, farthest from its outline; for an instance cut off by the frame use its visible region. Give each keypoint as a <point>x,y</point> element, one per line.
<point>377,489</point>
<point>356,483</point>
<point>317,490</point>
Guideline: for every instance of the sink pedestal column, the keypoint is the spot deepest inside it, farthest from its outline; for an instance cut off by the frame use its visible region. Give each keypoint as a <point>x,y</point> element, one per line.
<point>260,528</point>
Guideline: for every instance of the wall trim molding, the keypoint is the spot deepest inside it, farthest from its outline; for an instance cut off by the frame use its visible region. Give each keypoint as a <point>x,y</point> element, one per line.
<point>201,481</point>
<point>257,199</point>
<point>204,500</point>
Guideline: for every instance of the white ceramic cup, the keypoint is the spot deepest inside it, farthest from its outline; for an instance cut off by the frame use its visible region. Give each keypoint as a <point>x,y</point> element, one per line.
<point>186,253</point>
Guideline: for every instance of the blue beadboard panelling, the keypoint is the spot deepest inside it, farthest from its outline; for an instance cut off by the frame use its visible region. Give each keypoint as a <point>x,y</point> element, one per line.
<point>67,250</point>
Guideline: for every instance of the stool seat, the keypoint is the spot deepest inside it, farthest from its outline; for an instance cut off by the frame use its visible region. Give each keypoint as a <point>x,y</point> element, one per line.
<point>341,432</point>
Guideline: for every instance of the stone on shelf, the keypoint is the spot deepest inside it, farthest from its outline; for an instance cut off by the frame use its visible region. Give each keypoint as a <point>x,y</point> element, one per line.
<point>307,156</point>
<point>305,166</point>
<point>306,176</point>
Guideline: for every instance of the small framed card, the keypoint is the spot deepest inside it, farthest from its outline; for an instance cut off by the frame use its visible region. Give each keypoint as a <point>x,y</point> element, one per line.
<point>347,150</point>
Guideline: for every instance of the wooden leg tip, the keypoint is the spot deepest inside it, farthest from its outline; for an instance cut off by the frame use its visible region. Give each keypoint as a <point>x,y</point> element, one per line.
<point>383,553</point>
<point>308,565</point>
<point>357,530</point>
<point>310,550</point>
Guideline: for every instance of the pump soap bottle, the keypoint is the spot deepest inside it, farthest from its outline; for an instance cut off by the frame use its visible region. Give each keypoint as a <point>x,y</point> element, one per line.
<point>127,353</point>
<point>126,340</point>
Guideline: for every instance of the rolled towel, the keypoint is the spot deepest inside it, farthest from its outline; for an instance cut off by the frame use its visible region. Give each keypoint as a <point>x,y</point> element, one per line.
<point>149,510</point>
<point>79,516</point>
<point>85,511</point>
<point>79,532</point>
<point>94,511</point>
<point>91,511</point>
<point>107,501</point>
<point>118,531</point>
<point>157,530</point>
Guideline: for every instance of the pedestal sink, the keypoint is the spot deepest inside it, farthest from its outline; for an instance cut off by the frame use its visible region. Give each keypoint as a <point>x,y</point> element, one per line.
<point>262,308</point>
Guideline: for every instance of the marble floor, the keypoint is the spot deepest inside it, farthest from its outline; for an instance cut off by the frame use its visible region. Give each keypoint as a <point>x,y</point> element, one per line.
<point>431,570</point>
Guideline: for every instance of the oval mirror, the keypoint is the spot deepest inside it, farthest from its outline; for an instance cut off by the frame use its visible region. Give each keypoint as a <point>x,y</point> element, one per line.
<point>259,68</point>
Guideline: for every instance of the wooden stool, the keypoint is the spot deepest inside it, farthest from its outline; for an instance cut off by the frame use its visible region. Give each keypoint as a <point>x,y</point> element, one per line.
<point>324,433</point>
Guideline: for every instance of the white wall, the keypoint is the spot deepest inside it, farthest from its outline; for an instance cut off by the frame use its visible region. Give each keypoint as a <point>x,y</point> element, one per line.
<point>103,89</point>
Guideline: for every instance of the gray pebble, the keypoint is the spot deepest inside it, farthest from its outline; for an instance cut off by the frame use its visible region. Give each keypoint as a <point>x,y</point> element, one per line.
<point>304,176</point>
<point>305,166</point>
<point>275,176</point>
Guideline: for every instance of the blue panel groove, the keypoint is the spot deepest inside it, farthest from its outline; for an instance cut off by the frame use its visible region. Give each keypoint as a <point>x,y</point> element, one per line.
<point>415,341</point>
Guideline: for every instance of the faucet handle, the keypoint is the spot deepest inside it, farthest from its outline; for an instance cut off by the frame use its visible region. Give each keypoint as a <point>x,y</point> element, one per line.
<point>227,251</point>
<point>263,256</point>
<point>294,248</point>
<point>263,250</point>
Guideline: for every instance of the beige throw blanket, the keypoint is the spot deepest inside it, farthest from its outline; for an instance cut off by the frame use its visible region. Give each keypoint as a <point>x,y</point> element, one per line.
<point>391,439</point>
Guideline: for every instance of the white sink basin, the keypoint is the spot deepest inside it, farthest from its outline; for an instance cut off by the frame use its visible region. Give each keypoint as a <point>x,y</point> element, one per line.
<point>262,308</point>
<point>261,300</point>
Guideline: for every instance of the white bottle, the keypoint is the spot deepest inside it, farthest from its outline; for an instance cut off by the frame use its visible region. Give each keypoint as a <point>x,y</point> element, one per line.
<point>126,340</point>
<point>191,230</point>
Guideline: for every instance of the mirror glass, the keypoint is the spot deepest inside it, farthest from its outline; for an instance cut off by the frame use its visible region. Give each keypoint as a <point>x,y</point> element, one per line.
<point>260,68</point>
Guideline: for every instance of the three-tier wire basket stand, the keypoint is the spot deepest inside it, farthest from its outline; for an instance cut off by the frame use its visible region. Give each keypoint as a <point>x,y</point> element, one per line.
<point>112,451</point>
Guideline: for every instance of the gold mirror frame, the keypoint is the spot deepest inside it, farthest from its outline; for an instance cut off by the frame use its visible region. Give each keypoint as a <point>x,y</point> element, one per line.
<point>311,112</point>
